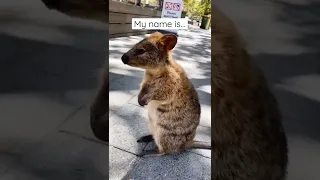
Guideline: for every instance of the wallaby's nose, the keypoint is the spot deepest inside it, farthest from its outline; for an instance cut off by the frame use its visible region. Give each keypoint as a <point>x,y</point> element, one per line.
<point>125,59</point>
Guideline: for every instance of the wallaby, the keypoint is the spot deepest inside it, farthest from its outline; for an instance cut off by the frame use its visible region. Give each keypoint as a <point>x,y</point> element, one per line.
<point>248,135</point>
<point>172,102</point>
<point>99,119</point>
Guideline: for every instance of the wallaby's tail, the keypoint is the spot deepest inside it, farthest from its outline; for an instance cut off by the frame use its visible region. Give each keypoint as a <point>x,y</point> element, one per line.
<point>200,145</point>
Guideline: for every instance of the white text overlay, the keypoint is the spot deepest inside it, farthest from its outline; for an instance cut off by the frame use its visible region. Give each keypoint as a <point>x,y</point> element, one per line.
<point>159,23</point>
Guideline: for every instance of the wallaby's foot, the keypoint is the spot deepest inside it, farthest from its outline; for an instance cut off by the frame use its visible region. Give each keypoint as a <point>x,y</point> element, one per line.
<point>147,138</point>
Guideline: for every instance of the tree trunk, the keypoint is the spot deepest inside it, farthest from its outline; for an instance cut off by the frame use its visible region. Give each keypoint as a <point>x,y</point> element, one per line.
<point>160,4</point>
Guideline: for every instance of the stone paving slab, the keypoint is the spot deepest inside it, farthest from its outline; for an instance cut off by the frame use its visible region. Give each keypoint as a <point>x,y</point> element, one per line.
<point>304,158</point>
<point>48,65</point>
<point>79,124</point>
<point>27,118</point>
<point>185,165</point>
<point>296,108</point>
<point>120,93</point>
<point>60,156</point>
<point>32,20</point>
<point>121,162</point>
<point>126,126</point>
<point>79,97</point>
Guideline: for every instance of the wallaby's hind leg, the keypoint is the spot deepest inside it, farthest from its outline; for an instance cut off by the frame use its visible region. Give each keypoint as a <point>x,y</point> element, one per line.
<point>147,138</point>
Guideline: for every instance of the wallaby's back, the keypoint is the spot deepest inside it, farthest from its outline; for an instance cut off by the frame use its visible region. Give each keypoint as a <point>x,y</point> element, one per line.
<point>248,136</point>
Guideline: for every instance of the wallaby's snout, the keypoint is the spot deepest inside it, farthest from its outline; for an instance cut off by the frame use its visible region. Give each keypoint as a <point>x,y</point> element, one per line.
<point>125,58</point>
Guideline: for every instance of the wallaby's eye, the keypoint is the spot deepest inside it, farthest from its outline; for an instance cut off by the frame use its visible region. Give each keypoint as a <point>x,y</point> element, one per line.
<point>140,51</point>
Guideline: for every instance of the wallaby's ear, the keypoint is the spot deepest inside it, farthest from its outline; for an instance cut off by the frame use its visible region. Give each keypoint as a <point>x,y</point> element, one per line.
<point>169,41</point>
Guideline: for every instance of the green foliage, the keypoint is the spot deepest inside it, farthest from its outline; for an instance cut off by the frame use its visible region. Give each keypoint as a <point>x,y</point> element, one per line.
<point>153,2</point>
<point>193,8</point>
<point>206,7</point>
<point>196,8</point>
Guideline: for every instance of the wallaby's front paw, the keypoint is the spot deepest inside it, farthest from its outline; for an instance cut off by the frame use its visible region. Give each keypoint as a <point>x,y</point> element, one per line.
<point>147,138</point>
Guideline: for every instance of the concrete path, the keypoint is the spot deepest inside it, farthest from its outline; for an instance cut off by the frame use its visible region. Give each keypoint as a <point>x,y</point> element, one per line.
<point>283,37</point>
<point>47,64</point>
<point>128,119</point>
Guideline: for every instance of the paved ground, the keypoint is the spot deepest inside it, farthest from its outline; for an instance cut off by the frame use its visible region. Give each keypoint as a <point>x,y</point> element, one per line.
<point>127,118</point>
<point>47,66</point>
<point>49,72</point>
<point>48,63</point>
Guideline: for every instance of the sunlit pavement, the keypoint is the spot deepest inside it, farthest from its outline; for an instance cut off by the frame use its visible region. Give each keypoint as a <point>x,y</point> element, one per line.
<point>48,69</point>
<point>128,119</point>
<point>47,64</point>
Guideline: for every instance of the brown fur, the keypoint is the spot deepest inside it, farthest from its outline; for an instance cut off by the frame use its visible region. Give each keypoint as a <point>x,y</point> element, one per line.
<point>98,111</point>
<point>249,140</point>
<point>172,102</point>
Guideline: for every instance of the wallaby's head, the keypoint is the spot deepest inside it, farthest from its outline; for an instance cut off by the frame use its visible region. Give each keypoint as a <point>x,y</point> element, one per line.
<point>151,52</point>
